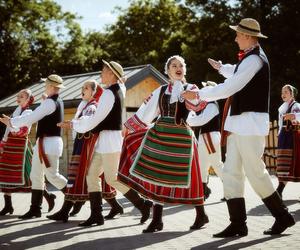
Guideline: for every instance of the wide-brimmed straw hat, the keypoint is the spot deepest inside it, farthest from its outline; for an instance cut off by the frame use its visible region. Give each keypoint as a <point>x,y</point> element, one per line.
<point>209,83</point>
<point>116,68</point>
<point>248,26</point>
<point>54,80</point>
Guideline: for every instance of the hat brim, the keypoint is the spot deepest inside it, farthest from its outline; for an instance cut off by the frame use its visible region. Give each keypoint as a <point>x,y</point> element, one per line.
<point>60,86</point>
<point>113,70</point>
<point>247,32</point>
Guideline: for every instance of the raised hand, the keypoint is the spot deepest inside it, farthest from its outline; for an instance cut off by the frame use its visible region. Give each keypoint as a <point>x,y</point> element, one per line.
<point>215,64</point>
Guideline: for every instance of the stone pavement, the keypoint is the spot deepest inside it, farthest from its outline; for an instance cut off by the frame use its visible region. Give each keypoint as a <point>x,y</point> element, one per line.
<point>125,232</point>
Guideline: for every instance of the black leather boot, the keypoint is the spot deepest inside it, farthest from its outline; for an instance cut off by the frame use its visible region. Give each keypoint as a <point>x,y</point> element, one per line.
<point>50,199</point>
<point>116,208</point>
<point>237,215</point>
<point>156,223</point>
<point>283,219</point>
<point>201,218</point>
<point>8,208</point>
<point>77,207</point>
<point>141,204</point>
<point>206,190</point>
<point>281,186</point>
<point>36,205</point>
<point>63,213</point>
<point>96,216</point>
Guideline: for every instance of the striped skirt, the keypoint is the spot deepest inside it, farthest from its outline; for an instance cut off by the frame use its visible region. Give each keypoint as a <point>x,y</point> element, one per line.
<point>158,185</point>
<point>288,155</point>
<point>15,165</point>
<point>78,168</point>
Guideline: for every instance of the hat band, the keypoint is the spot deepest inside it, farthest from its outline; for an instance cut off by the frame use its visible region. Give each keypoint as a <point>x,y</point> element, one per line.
<point>53,80</point>
<point>249,29</point>
<point>119,75</point>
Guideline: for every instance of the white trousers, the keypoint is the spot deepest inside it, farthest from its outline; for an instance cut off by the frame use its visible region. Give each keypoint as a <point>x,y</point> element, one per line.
<point>244,158</point>
<point>39,171</point>
<point>206,159</point>
<point>109,164</point>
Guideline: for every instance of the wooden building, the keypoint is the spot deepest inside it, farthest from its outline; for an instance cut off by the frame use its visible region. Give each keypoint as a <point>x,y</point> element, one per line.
<point>141,81</point>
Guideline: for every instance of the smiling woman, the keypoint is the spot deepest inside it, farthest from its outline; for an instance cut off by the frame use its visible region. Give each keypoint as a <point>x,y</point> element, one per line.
<point>95,15</point>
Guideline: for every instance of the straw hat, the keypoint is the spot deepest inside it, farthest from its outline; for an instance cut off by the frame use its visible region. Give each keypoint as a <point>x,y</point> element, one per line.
<point>248,26</point>
<point>116,68</point>
<point>209,83</point>
<point>54,80</point>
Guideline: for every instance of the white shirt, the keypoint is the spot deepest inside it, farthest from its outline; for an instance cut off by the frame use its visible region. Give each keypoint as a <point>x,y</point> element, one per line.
<point>110,141</point>
<point>247,123</point>
<point>53,145</point>
<point>17,112</point>
<point>210,111</point>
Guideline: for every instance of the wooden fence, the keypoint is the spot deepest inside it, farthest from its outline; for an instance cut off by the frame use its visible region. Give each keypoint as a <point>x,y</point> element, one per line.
<point>271,146</point>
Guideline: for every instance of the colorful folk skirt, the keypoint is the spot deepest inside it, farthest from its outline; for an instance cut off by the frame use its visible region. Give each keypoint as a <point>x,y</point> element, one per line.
<point>288,155</point>
<point>15,165</point>
<point>162,164</point>
<point>83,151</point>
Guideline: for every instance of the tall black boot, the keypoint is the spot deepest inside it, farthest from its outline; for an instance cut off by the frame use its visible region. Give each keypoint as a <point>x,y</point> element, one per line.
<point>63,213</point>
<point>8,208</point>
<point>201,218</point>
<point>206,190</point>
<point>116,208</point>
<point>50,199</point>
<point>77,207</point>
<point>283,219</point>
<point>237,216</point>
<point>156,223</point>
<point>36,205</point>
<point>96,216</point>
<point>141,204</point>
<point>281,186</point>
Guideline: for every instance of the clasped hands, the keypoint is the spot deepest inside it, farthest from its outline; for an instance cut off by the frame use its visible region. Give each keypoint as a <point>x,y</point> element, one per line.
<point>5,120</point>
<point>65,124</point>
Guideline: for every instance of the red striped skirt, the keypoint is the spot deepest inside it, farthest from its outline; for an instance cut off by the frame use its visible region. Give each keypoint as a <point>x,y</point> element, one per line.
<point>83,151</point>
<point>15,165</point>
<point>288,156</point>
<point>175,195</point>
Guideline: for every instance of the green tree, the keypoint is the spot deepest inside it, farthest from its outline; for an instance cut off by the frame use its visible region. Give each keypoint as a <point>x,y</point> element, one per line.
<point>148,32</point>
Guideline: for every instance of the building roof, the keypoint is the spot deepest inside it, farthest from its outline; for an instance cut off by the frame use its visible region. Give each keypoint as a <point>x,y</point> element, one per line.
<point>71,95</point>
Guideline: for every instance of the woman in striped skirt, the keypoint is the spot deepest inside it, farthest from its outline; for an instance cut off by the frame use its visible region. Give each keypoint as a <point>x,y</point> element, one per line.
<point>76,193</point>
<point>160,161</point>
<point>15,157</point>
<point>288,164</point>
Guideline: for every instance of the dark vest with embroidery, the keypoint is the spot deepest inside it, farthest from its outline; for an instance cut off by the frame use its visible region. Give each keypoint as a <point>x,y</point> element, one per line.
<point>113,121</point>
<point>47,125</point>
<point>255,96</point>
<point>177,109</point>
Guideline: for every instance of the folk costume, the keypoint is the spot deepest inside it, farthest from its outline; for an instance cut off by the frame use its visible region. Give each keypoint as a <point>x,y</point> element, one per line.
<point>207,130</point>
<point>247,122</point>
<point>15,162</point>
<point>288,151</point>
<point>84,143</point>
<point>107,122</point>
<point>48,147</point>
<point>160,160</point>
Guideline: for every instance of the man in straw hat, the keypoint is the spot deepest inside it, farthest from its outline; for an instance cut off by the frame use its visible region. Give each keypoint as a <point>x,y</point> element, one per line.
<point>107,122</point>
<point>247,121</point>
<point>49,144</point>
<point>207,130</point>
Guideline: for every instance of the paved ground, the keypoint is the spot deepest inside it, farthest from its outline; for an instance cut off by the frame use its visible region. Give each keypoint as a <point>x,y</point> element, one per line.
<point>125,232</point>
